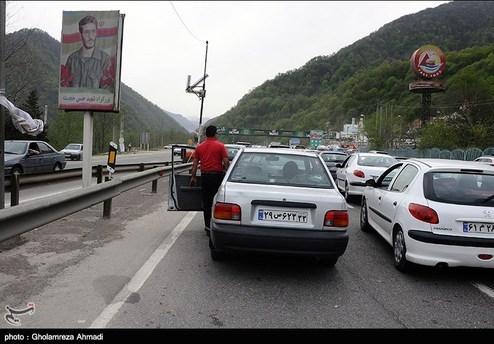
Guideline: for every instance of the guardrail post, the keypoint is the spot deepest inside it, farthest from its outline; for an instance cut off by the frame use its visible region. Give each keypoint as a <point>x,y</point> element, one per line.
<point>14,189</point>
<point>107,205</point>
<point>154,186</point>
<point>141,167</point>
<point>99,174</point>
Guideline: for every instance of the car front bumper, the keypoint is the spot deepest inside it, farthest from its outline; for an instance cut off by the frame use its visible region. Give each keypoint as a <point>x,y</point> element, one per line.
<point>322,243</point>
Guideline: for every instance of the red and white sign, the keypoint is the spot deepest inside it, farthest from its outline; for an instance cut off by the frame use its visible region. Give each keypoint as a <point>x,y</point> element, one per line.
<point>428,61</point>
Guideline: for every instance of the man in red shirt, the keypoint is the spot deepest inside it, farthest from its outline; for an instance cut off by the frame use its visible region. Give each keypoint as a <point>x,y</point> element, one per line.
<point>214,161</point>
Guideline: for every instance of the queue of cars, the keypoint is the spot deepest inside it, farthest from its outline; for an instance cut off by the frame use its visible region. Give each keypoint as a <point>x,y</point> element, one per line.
<point>433,212</point>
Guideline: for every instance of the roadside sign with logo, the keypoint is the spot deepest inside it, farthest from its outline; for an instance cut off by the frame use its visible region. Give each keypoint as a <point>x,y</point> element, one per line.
<point>428,61</point>
<point>112,157</point>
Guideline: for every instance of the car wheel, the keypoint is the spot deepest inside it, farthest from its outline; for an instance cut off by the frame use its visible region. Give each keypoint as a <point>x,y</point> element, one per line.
<point>364,218</point>
<point>215,254</point>
<point>16,169</point>
<point>328,262</point>
<point>400,250</point>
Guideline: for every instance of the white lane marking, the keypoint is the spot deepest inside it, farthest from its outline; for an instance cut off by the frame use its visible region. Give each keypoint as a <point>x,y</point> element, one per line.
<point>142,275</point>
<point>485,289</point>
<point>45,195</point>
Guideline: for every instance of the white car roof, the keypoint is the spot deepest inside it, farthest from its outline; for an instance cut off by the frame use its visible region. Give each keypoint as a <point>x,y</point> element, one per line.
<point>280,151</point>
<point>446,163</point>
<point>372,154</point>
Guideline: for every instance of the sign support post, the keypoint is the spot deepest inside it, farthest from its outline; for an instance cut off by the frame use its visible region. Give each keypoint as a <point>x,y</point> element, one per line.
<point>87,151</point>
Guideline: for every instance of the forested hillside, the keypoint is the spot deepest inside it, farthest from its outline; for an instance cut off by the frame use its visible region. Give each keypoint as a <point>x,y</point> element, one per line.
<point>32,65</point>
<point>372,75</point>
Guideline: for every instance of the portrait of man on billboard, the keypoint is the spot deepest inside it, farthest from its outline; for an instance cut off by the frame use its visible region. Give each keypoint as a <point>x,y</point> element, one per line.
<point>89,66</point>
<point>90,61</point>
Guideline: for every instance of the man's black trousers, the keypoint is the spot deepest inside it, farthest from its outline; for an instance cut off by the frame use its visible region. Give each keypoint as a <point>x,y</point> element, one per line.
<point>210,183</point>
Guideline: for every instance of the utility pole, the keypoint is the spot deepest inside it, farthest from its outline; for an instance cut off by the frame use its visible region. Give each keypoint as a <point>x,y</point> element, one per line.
<point>2,111</point>
<point>200,93</point>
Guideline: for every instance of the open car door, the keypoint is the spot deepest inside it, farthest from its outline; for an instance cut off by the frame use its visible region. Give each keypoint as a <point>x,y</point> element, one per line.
<point>182,196</point>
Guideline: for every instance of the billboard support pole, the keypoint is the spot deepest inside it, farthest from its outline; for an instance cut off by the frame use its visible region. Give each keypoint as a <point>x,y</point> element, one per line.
<point>2,111</point>
<point>87,150</point>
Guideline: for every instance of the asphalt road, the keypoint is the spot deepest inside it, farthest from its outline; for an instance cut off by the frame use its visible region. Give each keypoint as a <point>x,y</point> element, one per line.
<point>150,268</point>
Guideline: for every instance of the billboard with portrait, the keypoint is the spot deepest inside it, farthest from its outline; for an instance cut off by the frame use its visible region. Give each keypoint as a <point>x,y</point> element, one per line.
<point>90,58</point>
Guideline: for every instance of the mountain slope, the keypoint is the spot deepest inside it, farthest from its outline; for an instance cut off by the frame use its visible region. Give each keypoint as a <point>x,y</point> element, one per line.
<point>301,98</point>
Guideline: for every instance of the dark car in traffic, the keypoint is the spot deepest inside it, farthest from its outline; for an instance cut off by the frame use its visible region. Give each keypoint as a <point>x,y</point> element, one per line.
<point>29,156</point>
<point>331,158</point>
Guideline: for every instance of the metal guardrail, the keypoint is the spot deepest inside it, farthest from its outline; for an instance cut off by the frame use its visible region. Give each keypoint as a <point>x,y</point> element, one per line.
<point>29,215</point>
<point>77,172</point>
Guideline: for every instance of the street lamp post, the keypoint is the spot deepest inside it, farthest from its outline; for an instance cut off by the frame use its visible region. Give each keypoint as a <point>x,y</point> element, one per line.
<point>361,129</point>
<point>399,137</point>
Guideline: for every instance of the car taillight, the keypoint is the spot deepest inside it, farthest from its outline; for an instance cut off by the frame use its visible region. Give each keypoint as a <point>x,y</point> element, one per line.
<point>227,211</point>
<point>336,218</point>
<point>423,213</point>
<point>359,173</point>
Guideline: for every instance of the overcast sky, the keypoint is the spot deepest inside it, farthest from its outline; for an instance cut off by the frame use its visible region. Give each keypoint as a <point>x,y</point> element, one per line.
<point>249,42</point>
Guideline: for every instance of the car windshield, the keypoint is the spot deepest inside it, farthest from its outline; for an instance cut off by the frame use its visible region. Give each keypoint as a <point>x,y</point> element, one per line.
<point>280,169</point>
<point>328,157</point>
<point>72,146</point>
<point>460,188</point>
<point>15,147</point>
<point>376,160</point>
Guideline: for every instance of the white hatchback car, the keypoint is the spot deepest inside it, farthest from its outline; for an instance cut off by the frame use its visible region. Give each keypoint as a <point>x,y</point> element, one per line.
<point>279,201</point>
<point>359,167</point>
<point>433,212</point>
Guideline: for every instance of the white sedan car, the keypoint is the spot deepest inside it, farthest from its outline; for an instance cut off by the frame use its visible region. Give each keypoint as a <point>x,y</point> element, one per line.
<point>359,167</point>
<point>279,201</point>
<point>433,212</point>
<point>485,159</point>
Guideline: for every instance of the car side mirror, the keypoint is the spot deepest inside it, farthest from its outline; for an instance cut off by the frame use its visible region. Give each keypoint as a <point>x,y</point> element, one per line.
<point>339,165</point>
<point>370,182</point>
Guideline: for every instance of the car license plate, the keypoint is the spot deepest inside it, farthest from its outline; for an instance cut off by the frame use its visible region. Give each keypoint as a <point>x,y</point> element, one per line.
<point>470,227</point>
<point>282,215</point>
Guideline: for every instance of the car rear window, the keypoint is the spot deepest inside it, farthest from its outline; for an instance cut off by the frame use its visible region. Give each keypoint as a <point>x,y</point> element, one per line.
<point>280,169</point>
<point>376,161</point>
<point>460,188</point>
<point>75,147</point>
<point>333,157</point>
